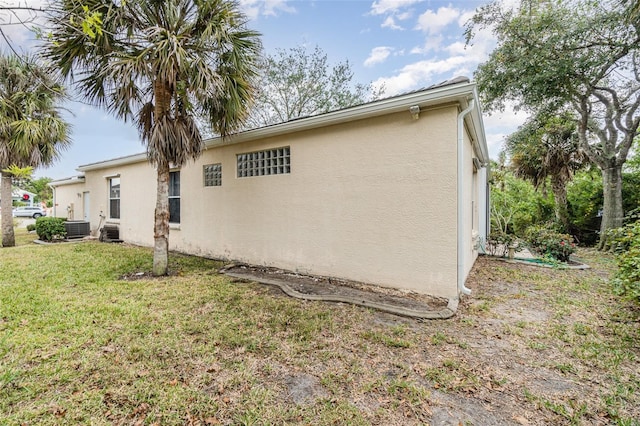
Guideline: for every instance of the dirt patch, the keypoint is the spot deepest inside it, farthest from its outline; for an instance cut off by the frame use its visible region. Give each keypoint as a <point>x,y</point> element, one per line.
<point>530,346</point>
<point>304,388</point>
<point>145,275</point>
<point>333,289</point>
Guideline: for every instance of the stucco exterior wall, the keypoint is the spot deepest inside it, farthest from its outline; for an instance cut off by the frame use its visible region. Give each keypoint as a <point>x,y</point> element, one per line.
<point>68,201</point>
<point>470,208</point>
<point>137,200</point>
<point>371,200</point>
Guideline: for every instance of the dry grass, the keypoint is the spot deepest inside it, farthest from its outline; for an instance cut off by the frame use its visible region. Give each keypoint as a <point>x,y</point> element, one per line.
<point>80,346</point>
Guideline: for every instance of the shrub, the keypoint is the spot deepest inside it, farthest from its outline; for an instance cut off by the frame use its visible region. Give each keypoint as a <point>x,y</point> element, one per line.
<point>545,240</point>
<point>498,244</point>
<point>31,227</point>
<point>621,239</point>
<point>626,243</point>
<point>50,228</point>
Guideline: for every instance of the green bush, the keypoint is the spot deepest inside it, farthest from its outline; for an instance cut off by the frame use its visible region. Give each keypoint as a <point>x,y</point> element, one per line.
<point>31,227</point>
<point>50,228</point>
<point>584,195</point>
<point>545,240</point>
<point>498,244</point>
<point>626,243</point>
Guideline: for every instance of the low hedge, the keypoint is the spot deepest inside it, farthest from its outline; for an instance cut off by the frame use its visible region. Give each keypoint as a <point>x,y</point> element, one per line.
<point>50,228</point>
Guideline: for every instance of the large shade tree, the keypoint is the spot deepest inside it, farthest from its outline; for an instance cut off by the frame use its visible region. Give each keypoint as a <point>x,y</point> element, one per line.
<point>160,63</point>
<point>299,82</point>
<point>546,147</point>
<point>32,131</point>
<point>579,55</point>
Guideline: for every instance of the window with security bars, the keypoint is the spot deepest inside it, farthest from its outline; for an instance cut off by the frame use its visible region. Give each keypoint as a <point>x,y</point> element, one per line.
<point>212,174</point>
<point>268,162</point>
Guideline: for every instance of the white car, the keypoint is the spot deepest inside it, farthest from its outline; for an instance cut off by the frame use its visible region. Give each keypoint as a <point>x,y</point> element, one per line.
<point>34,212</point>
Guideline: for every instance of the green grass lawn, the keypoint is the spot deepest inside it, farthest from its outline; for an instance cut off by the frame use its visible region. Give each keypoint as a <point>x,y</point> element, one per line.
<point>80,345</point>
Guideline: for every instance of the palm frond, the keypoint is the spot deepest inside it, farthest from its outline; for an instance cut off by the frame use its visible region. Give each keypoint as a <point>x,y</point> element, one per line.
<point>199,52</point>
<point>32,132</point>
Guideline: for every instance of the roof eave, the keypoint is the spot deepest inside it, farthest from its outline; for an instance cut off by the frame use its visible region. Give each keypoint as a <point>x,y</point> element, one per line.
<point>66,181</point>
<point>459,92</point>
<point>452,93</point>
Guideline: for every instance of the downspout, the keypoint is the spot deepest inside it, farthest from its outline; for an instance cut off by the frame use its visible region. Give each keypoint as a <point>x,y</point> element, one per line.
<point>460,257</point>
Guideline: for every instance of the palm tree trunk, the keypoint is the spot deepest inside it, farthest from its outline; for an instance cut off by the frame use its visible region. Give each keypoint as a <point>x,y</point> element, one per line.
<point>161,223</point>
<point>162,95</point>
<point>612,212</point>
<point>8,236</point>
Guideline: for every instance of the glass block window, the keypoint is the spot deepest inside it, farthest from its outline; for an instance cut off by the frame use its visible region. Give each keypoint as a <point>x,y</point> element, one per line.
<point>212,174</point>
<point>268,162</point>
<point>114,198</point>
<point>174,197</point>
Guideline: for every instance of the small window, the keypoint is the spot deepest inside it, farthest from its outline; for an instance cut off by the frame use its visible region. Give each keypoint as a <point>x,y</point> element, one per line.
<point>114,198</point>
<point>174,197</point>
<point>268,162</point>
<point>212,174</point>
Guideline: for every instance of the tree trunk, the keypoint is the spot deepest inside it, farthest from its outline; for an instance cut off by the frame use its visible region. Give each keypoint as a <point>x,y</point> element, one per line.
<point>8,236</point>
<point>162,94</point>
<point>559,188</point>
<point>161,223</point>
<point>612,213</point>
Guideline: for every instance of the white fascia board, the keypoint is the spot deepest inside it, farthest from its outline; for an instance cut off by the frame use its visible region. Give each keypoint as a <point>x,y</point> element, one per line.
<point>121,161</point>
<point>476,116</point>
<point>66,181</point>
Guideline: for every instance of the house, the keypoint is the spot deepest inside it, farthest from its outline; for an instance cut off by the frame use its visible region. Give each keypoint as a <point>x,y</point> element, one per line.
<point>21,196</point>
<point>70,200</point>
<point>393,192</point>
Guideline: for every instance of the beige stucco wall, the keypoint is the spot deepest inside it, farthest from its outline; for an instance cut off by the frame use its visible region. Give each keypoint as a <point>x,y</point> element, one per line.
<point>137,200</point>
<point>368,200</point>
<point>68,201</point>
<point>372,200</point>
<point>470,208</point>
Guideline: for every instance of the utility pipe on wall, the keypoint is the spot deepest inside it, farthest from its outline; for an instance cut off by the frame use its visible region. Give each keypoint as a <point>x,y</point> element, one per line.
<point>460,258</point>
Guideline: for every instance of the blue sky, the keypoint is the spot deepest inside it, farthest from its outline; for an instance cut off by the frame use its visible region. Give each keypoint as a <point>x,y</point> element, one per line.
<point>401,44</point>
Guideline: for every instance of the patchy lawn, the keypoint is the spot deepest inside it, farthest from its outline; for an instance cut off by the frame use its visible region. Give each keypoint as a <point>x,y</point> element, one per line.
<point>78,345</point>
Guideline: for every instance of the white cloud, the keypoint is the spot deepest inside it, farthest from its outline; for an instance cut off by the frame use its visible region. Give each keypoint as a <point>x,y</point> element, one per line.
<point>510,118</point>
<point>254,8</point>
<point>434,22</point>
<point>456,48</point>
<point>465,16</point>
<point>432,43</point>
<point>420,74</point>
<point>482,45</point>
<point>395,10</point>
<point>383,7</point>
<point>495,142</point>
<point>378,55</point>
<point>391,24</point>
<point>502,124</point>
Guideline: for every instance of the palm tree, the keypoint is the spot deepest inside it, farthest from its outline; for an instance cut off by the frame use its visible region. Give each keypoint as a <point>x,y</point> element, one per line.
<point>160,63</point>
<point>547,147</point>
<point>32,132</point>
